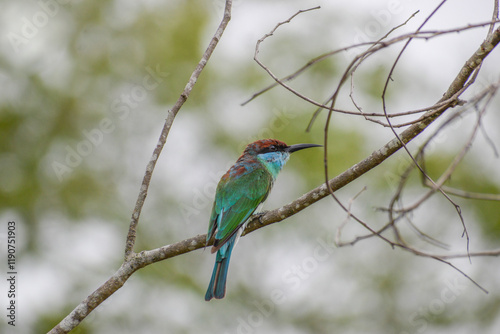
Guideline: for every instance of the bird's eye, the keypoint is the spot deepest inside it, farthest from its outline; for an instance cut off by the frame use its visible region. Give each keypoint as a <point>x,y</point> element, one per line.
<point>272,148</point>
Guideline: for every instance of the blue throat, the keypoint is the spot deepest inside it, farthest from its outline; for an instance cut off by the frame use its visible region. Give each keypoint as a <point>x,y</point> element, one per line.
<point>274,161</point>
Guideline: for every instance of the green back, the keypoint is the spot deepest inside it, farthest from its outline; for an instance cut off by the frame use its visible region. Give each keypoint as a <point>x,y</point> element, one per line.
<point>235,201</point>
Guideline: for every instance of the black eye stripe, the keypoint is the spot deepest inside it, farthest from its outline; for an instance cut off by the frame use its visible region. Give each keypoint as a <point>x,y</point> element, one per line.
<point>268,149</point>
<point>271,148</point>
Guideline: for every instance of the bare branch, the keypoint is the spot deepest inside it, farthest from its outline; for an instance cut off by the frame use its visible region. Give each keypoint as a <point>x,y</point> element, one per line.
<point>166,129</point>
<point>131,262</point>
<point>374,47</point>
<point>135,261</point>
<point>338,242</point>
<point>471,194</point>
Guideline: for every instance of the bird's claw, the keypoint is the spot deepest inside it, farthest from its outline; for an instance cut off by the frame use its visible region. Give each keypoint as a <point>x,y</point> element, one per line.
<point>259,216</point>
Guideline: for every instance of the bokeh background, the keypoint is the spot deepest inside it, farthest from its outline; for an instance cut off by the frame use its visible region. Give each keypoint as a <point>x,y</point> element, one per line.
<point>86,86</point>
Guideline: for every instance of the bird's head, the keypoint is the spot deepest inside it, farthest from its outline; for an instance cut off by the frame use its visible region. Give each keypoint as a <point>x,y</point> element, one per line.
<point>264,146</point>
<point>273,153</point>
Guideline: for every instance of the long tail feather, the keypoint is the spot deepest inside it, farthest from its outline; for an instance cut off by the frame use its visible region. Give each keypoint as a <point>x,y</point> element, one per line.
<point>217,287</point>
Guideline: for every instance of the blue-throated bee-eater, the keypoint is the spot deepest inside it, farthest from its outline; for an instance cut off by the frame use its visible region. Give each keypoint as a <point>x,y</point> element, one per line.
<point>239,192</point>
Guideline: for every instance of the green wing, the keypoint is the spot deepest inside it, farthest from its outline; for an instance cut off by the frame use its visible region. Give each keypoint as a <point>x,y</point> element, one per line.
<point>235,201</point>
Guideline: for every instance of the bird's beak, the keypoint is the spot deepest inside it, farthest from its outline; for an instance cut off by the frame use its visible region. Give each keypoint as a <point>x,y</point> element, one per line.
<point>298,147</point>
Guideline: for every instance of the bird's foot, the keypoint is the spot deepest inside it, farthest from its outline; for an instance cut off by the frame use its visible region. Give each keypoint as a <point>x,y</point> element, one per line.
<point>259,216</point>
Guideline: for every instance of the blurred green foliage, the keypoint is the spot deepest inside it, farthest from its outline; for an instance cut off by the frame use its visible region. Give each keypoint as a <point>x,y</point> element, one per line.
<point>103,50</point>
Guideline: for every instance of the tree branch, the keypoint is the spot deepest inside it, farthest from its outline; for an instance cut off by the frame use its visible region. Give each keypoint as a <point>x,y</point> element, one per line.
<point>131,261</point>
<point>135,261</point>
<point>167,126</point>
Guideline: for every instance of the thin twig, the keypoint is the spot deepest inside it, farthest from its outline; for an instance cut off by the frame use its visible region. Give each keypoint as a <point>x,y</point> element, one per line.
<point>339,243</point>
<point>463,80</point>
<point>389,78</point>
<point>378,45</point>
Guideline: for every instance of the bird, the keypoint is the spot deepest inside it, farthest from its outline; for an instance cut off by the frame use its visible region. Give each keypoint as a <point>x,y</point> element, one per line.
<point>239,193</point>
